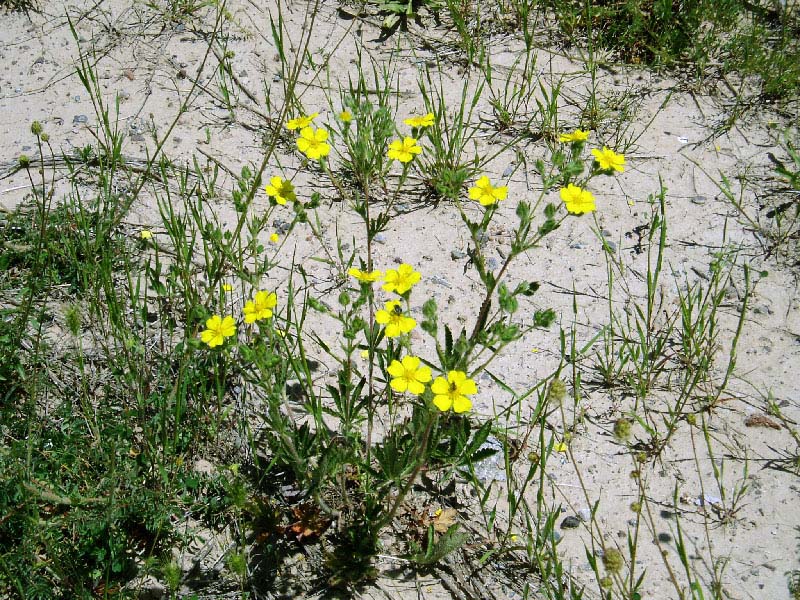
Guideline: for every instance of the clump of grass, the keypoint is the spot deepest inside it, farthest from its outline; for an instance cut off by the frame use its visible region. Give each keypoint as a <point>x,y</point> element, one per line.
<point>748,38</point>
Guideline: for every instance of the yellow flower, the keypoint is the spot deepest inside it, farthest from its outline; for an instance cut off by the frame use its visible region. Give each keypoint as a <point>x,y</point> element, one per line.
<point>608,159</point>
<point>453,391</point>
<point>560,447</point>
<point>576,136</point>
<point>273,238</point>
<point>227,287</point>
<point>301,122</point>
<point>345,116</point>
<point>365,276</point>
<point>260,307</point>
<point>418,122</point>
<point>578,200</point>
<point>396,322</point>
<point>217,329</point>
<point>408,376</point>
<point>404,150</point>
<point>312,143</point>
<point>486,193</point>
<point>146,234</point>
<point>280,189</point>
<point>401,280</point>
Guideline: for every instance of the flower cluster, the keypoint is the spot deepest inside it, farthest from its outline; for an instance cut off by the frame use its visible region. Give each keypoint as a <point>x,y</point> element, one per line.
<point>450,393</point>
<point>218,328</point>
<point>576,199</point>
<point>399,280</point>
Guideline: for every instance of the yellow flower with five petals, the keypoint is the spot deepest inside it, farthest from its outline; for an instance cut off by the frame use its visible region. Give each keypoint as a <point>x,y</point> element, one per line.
<point>420,121</point>
<point>404,150</point>
<point>577,200</point>
<point>365,276</point>
<point>393,318</point>
<point>607,159</point>
<point>453,391</point>
<point>217,329</point>
<point>312,143</point>
<point>487,194</point>
<point>408,376</point>
<point>260,307</point>
<point>578,135</point>
<point>281,189</point>
<point>402,279</point>
<point>301,121</point>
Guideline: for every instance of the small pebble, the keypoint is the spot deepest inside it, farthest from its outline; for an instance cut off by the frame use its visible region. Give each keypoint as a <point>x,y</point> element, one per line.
<point>180,28</point>
<point>80,119</point>
<point>699,200</point>
<point>509,170</point>
<point>612,246</point>
<point>276,78</point>
<point>577,245</point>
<point>664,538</point>
<point>380,238</point>
<point>570,522</point>
<point>454,254</point>
<point>76,98</point>
<point>281,226</point>
<point>137,137</point>
<point>440,281</point>
<point>584,514</point>
<point>18,90</point>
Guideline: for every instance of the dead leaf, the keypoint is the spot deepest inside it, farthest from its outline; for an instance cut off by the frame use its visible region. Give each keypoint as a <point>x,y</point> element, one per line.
<point>310,522</point>
<point>129,74</point>
<point>443,519</point>
<point>761,421</point>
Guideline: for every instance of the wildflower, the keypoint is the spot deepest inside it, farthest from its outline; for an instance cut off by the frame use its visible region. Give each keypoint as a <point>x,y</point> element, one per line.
<point>419,122</point>
<point>560,447</point>
<point>345,116</point>
<point>608,159</point>
<point>146,234</point>
<point>365,354</point>
<point>217,329</point>
<point>312,143</point>
<point>453,391</point>
<point>408,375</point>
<point>301,122</point>
<point>576,136</point>
<point>280,189</point>
<point>260,307</point>
<point>396,322</point>
<point>401,280</point>
<point>578,200</point>
<point>273,238</point>
<point>404,150</point>
<point>487,194</point>
<point>227,287</point>
<point>365,276</point>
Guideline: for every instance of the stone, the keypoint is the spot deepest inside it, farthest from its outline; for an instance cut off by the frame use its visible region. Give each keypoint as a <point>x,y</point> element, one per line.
<point>457,254</point>
<point>570,522</point>
<point>77,119</point>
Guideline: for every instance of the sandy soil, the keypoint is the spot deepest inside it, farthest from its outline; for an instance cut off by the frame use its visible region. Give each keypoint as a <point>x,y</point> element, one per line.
<point>149,63</point>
